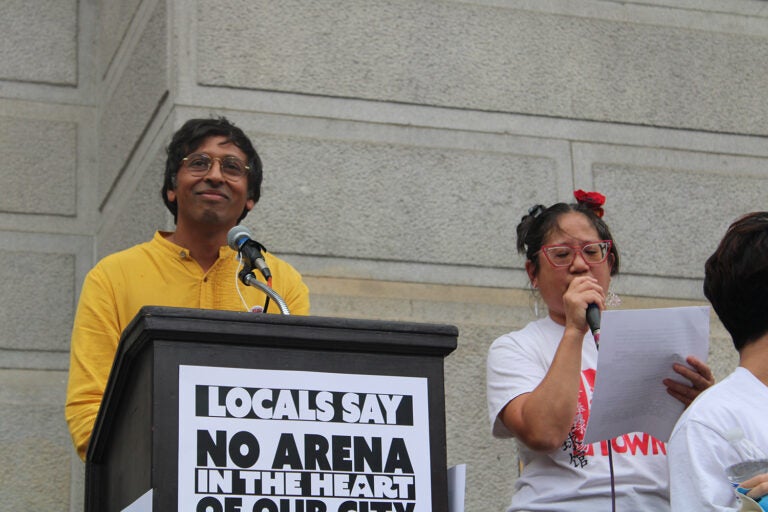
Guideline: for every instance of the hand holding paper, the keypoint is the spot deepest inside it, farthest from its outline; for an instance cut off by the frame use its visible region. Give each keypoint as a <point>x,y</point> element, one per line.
<point>637,351</point>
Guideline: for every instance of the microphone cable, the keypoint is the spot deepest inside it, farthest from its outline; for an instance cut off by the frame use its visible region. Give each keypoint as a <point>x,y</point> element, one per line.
<point>240,268</point>
<point>613,482</point>
<point>266,301</point>
<point>239,258</point>
<point>610,441</point>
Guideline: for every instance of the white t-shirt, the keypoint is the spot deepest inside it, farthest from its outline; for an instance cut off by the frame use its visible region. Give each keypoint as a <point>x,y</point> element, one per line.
<point>700,450</point>
<point>575,477</point>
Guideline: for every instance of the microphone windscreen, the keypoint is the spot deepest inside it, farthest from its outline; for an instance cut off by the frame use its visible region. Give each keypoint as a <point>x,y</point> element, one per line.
<point>235,234</point>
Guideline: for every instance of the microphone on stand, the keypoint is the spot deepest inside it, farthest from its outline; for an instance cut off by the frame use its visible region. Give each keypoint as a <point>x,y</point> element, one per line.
<point>239,239</point>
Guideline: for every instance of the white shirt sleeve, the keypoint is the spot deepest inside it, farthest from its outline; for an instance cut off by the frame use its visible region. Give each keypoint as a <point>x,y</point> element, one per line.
<point>516,365</point>
<point>697,455</point>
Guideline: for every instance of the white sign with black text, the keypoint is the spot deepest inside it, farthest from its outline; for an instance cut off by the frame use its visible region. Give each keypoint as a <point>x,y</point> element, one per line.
<point>294,441</point>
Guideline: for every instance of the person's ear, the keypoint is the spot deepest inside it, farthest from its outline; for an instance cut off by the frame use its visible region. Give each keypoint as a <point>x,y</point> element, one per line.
<point>530,269</point>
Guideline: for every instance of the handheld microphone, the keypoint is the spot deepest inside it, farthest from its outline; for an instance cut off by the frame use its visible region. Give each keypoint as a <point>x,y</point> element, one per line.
<point>239,239</point>
<point>593,320</point>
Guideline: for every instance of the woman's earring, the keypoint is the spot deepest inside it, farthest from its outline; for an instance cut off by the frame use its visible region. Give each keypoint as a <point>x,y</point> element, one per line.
<point>612,300</point>
<point>536,299</point>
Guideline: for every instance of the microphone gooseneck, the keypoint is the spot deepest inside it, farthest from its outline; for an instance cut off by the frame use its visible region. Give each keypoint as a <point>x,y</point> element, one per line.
<point>249,279</point>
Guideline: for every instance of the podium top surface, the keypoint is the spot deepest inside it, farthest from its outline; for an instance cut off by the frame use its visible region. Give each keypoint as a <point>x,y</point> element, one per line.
<point>232,327</point>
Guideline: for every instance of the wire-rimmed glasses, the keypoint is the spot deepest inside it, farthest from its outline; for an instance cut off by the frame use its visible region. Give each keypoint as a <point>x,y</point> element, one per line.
<point>199,164</point>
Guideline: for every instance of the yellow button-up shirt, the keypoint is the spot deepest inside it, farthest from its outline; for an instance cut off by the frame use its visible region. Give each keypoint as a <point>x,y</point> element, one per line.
<point>155,273</point>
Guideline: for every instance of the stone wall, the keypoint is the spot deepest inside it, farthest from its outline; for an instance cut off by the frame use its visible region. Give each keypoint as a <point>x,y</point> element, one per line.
<point>402,141</point>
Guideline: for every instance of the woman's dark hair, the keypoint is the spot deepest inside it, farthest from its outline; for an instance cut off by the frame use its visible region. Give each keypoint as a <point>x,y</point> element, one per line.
<point>190,136</point>
<point>736,279</point>
<point>535,227</point>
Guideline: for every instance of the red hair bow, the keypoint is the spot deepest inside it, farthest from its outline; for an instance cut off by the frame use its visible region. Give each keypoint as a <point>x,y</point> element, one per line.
<point>592,200</point>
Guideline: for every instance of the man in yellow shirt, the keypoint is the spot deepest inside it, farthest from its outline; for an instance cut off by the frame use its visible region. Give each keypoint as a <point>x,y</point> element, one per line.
<point>212,180</point>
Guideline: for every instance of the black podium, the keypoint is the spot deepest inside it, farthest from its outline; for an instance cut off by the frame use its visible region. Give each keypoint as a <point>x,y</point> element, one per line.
<point>242,412</point>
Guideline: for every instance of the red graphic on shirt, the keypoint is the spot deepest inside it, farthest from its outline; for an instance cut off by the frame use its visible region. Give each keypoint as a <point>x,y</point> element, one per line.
<point>633,444</point>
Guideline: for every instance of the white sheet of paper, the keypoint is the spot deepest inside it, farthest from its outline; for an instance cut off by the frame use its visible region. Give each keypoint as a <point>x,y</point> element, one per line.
<point>143,504</point>
<point>457,476</point>
<point>637,350</point>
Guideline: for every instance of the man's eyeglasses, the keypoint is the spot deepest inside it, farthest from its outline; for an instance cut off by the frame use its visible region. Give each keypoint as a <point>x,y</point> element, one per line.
<point>594,253</point>
<point>199,164</point>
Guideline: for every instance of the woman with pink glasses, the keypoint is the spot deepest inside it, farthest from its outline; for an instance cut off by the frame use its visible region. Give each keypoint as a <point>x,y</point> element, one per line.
<point>540,379</point>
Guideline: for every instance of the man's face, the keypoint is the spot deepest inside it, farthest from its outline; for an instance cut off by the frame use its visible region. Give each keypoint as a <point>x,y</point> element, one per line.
<point>211,200</point>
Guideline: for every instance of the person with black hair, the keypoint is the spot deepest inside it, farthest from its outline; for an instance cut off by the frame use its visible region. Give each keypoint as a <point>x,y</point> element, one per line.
<point>540,379</point>
<point>727,425</point>
<point>212,180</point>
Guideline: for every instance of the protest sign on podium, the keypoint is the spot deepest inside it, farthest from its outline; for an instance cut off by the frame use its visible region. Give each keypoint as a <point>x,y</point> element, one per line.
<point>219,411</point>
